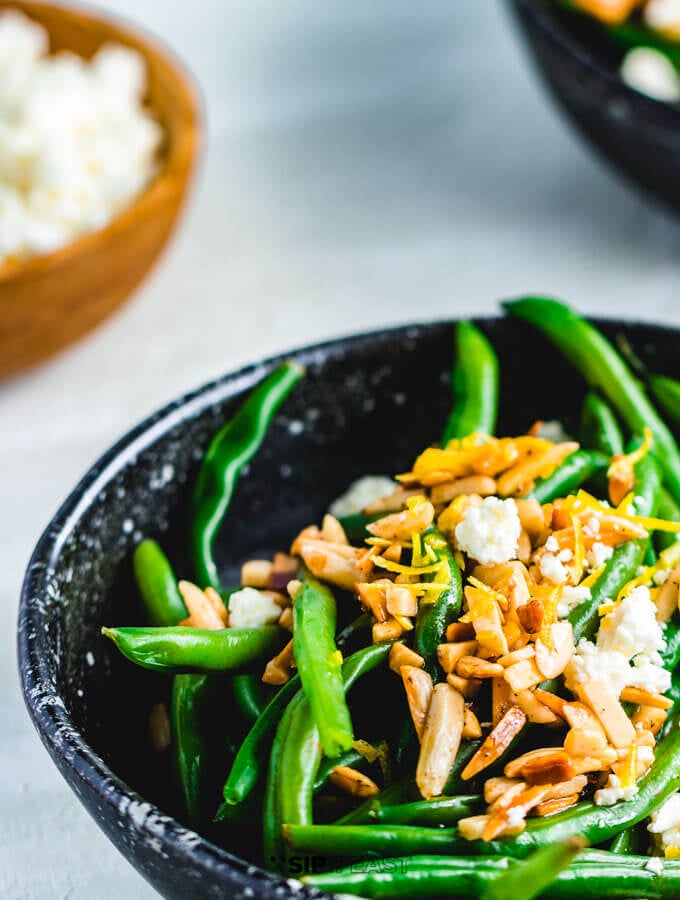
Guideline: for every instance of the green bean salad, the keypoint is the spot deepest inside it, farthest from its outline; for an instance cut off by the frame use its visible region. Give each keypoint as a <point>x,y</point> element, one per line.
<point>463,681</point>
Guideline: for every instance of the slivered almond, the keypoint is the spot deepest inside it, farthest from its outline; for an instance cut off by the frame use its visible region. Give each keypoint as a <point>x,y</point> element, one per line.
<point>516,656</point>
<point>448,655</point>
<point>277,670</point>
<point>471,727</point>
<point>584,764</point>
<point>583,742</point>
<point>468,687</point>
<point>645,698</point>
<point>471,827</point>
<point>473,667</point>
<point>353,782</point>
<point>390,502</point>
<point>401,655</point>
<point>578,715</point>
<point>202,612</point>
<point>545,765</point>
<point>255,573</point>
<point>393,553</point>
<point>332,530</point>
<point>556,805</point>
<point>552,701</point>
<point>502,698</point>
<point>500,819</point>
<point>531,616</point>
<point>332,562</point>
<point>495,788</point>
<point>482,485</point>
<point>553,662</point>
<point>400,601</point>
<point>373,597</point>
<point>520,476</point>
<point>286,619</point>
<point>566,788</point>
<point>522,675</point>
<point>531,518</point>
<point>400,526</point>
<point>218,605</point>
<point>460,631</point>
<point>649,718</point>
<point>536,711</point>
<point>387,631</point>
<point>507,798</point>
<point>605,704</point>
<point>441,739</point>
<point>418,687</point>
<point>524,547</point>
<point>496,742</point>
<point>668,597</point>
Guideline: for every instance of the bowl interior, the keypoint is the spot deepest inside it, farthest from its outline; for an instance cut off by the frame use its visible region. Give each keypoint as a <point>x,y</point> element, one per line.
<point>368,405</point>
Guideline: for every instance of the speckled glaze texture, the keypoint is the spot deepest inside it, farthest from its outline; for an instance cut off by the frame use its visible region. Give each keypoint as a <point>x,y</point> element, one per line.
<point>368,405</point>
<point>638,135</point>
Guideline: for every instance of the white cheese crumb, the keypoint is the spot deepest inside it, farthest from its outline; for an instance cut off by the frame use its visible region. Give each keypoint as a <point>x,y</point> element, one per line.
<point>592,526</point>
<point>613,792</point>
<point>663,15</point>
<point>592,664</point>
<point>650,72</point>
<point>250,608</point>
<point>665,822</point>
<point>490,532</point>
<point>552,544</point>
<point>360,493</point>
<point>516,816</point>
<point>598,555</point>
<point>76,142</point>
<point>570,598</point>
<point>631,627</point>
<point>552,569</point>
<point>552,430</point>
<point>565,555</point>
<point>654,864</point>
<point>661,577</point>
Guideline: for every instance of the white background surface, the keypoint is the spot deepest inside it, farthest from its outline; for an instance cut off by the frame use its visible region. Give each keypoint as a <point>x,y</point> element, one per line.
<point>368,163</point>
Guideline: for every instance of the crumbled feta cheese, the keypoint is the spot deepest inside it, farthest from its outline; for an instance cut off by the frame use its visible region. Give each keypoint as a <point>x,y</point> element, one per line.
<point>360,493</point>
<point>665,822</point>
<point>552,569</point>
<point>631,627</point>
<point>516,816</point>
<point>552,430</point>
<point>598,555</point>
<point>250,608</point>
<point>589,663</point>
<point>649,675</point>
<point>592,526</point>
<point>490,532</point>
<point>654,864</point>
<point>613,792</point>
<point>661,577</point>
<point>652,73</point>
<point>565,555</point>
<point>76,142</point>
<point>663,15</point>
<point>552,544</point>
<point>570,598</point>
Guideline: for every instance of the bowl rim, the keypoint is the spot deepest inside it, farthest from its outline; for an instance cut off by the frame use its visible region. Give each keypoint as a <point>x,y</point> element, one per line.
<point>176,163</point>
<point>544,19</point>
<point>59,734</point>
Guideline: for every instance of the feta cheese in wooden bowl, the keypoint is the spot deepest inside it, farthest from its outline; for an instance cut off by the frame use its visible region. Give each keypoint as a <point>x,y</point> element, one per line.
<point>99,133</point>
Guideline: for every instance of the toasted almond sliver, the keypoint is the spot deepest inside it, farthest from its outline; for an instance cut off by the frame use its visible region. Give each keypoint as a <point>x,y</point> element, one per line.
<point>332,530</point>
<point>494,788</point>
<point>441,739</point>
<point>578,715</point>
<point>496,742</point>
<point>649,718</point>
<point>536,711</point>
<point>526,801</point>
<point>400,655</point>
<point>449,654</point>
<point>468,687</point>
<point>418,687</point>
<point>525,472</point>
<point>353,782</point>
<point>400,601</point>
<point>506,800</point>
<point>645,698</point>
<point>460,631</point>
<point>582,765</point>
<point>373,598</point>
<point>474,667</point>
<point>553,662</point>
<point>556,804</point>
<point>471,827</point>
<point>387,631</point>
<point>566,788</point>
<point>545,765</point>
<point>523,676</point>
<point>482,485</point>
<point>583,742</point>
<point>390,502</point>
<point>605,704</point>
<point>668,598</point>
<point>472,730</point>
<point>255,573</point>
<point>202,611</point>
<point>502,698</point>
<point>286,619</point>
<point>552,701</point>
<point>516,656</point>
<point>531,517</point>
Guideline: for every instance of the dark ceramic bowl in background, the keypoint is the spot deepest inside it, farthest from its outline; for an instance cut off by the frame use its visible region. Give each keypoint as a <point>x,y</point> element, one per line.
<point>368,405</point>
<point>638,135</point>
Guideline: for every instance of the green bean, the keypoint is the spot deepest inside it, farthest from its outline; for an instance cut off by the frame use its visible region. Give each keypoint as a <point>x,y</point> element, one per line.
<point>350,758</point>
<point>179,649</point>
<point>399,792</point>
<point>251,759</point>
<point>669,510</point>
<point>599,428</point>
<point>604,369</point>
<point>628,841</point>
<point>319,664</point>
<point>230,450</point>
<point>590,877</point>
<point>435,616</point>
<point>250,694</point>
<point>475,385</point>
<point>157,584</point>
<point>536,873</point>
<point>666,392</point>
<point>440,811</point>
<point>577,468</point>
<point>186,712</point>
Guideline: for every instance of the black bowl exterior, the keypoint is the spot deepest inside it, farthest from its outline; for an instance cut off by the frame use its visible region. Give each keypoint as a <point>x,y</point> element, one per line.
<point>368,404</point>
<point>639,136</point>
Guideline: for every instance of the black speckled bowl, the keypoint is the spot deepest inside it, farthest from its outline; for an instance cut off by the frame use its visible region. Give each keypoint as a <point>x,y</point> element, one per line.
<point>638,135</point>
<point>368,405</point>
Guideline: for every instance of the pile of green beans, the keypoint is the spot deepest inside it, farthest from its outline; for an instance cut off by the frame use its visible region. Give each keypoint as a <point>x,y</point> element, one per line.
<point>287,741</point>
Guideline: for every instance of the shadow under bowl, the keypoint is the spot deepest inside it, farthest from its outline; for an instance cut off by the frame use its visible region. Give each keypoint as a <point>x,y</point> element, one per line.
<point>638,135</point>
<point>369,404</point>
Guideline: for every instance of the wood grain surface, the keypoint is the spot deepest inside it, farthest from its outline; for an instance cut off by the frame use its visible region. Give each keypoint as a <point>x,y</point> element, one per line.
<point>49,301</point>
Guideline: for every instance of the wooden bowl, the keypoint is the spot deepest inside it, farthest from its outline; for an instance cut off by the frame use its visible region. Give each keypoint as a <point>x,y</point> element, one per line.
<point>49,301</point>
